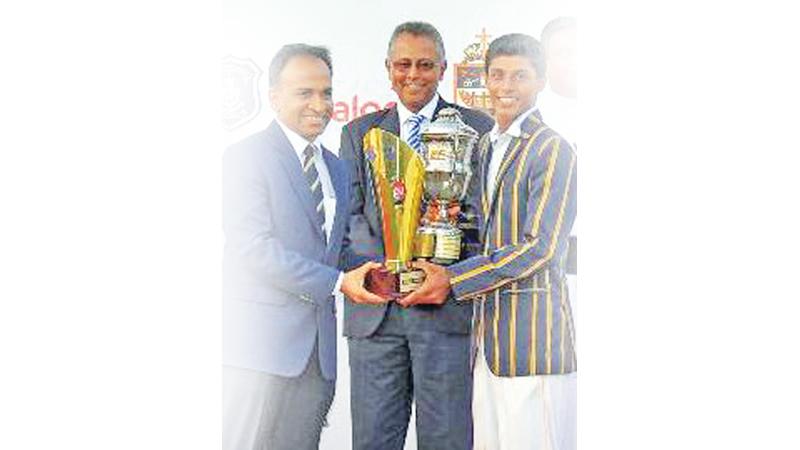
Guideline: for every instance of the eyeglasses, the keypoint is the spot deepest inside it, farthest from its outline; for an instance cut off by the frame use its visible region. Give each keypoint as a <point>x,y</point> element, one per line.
<point>423,65</point>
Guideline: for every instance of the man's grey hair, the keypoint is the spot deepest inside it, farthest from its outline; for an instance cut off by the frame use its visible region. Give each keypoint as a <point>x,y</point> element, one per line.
<point>517,44</point>
<point>290,51</point>
<point>556,25</point>
<point>418,29</point>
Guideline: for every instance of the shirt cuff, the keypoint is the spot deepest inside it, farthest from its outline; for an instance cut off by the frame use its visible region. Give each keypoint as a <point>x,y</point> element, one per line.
<point>338,285</point>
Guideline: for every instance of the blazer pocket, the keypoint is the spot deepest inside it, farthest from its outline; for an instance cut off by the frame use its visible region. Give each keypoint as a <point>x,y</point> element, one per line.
<point>261,295</point>
<point>264,301</point>
<point>540,290</point>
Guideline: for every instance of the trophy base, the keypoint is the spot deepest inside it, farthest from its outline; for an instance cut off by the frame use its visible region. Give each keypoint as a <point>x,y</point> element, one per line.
<point>391,285</point>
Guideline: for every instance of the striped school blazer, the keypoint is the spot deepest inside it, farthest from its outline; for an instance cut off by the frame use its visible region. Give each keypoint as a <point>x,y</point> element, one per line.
<point>519,284</point>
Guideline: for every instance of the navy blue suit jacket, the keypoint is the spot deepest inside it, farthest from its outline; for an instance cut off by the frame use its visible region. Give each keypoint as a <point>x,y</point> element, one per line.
<point>279,270</point>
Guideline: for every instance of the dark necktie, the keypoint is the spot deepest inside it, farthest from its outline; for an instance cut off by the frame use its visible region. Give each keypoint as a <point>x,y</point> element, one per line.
<point>312,176</point>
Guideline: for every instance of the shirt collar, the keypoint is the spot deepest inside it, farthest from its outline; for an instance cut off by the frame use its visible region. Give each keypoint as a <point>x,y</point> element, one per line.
<point>515,129</point>
<point>427,111</point>
<point>299,143</point>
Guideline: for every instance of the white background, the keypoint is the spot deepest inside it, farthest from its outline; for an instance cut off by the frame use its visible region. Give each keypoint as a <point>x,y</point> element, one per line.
<point>110,236</point>
<point>357,34</point>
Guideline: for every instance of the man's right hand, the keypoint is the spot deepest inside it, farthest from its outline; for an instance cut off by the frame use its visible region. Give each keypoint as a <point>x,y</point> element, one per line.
<point>353,285</point>
<point>434,289</point>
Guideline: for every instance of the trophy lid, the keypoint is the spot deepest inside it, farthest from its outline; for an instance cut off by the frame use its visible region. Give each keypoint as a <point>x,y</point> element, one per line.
<point>448,123</point>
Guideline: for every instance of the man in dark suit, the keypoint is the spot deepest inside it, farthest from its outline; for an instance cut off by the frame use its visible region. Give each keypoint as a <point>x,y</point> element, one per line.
<point>421,353</point>
<point>285,214</point>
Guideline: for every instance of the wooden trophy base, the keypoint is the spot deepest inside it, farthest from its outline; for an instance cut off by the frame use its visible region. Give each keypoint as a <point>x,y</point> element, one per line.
<point>391,285</point>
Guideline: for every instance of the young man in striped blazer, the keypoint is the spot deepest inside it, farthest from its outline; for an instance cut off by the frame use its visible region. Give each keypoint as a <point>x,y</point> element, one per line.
<point>524,378</point>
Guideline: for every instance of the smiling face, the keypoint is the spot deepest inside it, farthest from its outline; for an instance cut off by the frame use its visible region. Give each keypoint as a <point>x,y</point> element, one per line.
<point>513,84</point>
<point>415,70</point>
<point>302,98</point>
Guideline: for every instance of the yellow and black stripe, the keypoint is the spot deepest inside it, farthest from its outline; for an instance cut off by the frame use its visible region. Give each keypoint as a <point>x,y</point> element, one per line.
<point>521,271</point>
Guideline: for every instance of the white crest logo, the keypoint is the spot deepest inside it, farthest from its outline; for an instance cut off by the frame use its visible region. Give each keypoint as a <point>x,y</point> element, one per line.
<point>240,98</point>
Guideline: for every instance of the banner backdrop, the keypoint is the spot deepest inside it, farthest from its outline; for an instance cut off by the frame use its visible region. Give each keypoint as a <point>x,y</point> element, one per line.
<point>357,34</point>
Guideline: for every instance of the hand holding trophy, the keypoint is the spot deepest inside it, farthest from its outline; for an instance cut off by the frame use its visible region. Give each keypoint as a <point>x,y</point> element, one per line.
<point>401,179</point>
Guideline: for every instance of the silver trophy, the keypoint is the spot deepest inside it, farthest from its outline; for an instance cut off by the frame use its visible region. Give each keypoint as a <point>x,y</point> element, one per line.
<point>447,145</point>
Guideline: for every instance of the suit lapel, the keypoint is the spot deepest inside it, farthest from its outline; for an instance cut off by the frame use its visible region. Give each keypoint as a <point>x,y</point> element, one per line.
<point>391,121</point>
<point>439,105</point>
<point>517,144</point>
<point>342,198</point>
<point>294,173</point>
<point>484,156</point>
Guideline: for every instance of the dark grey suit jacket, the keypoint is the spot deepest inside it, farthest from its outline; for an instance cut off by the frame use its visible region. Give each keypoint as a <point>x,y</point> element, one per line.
<point>364,241</point>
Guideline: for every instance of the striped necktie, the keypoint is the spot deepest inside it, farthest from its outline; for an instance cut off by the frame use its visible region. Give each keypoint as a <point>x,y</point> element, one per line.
<point>414,138</point>
<point>312,176</point>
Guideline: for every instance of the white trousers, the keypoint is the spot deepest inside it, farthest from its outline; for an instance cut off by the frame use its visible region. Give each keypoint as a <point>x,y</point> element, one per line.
<point>530,412</point>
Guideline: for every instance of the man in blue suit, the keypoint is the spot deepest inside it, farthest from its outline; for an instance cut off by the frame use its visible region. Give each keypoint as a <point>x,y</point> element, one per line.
<point>418,354</point>
<point>285,215</point>
<point>524,375</point>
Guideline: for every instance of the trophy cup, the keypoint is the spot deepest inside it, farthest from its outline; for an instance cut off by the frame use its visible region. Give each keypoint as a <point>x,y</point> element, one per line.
<point>447,145</point>
<point>398,174</point>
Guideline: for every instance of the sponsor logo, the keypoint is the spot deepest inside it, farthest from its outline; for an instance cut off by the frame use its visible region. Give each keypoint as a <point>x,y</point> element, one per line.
<point>345,112</point>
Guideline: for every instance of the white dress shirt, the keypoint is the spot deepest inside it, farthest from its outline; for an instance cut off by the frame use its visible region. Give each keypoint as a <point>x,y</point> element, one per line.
<point>500,142</point>
<point>404,114</point>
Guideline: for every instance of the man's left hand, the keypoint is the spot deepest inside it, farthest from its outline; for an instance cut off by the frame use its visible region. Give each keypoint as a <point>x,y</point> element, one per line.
<point>434,289</point>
